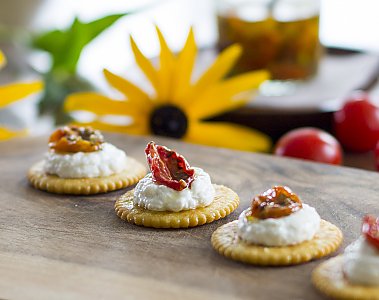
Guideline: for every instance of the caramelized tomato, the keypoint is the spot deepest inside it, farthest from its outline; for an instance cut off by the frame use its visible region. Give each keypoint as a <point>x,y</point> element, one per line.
<point>74,139</point>
<point>276,202</point>
<point>168,167</point>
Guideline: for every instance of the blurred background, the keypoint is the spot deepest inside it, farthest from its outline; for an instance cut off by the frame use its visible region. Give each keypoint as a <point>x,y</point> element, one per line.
<point>305,95</point>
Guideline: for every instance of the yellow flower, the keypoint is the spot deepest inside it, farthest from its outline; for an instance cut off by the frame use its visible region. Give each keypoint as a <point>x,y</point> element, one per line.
<point>11,93</point>
<point>178,107</point>
<point>2,60</point>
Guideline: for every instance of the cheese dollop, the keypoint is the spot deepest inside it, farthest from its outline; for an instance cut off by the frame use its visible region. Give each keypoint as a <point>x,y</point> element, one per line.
<point>153,196</point>
<point>361,263</point>
<point>296,228</point>
<point>105,162</point>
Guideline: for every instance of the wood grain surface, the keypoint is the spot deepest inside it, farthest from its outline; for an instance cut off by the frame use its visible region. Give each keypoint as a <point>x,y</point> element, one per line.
<point>70,247</point>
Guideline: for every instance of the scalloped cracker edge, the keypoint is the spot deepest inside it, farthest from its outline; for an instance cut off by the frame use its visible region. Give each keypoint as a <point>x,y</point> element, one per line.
<point>225,241</point>
<point>328,278</point>
<point>86,186</point>
<point>224,203</point>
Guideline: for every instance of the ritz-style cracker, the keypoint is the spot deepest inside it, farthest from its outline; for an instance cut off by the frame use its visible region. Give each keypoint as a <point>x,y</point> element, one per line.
<point>226,241</point>
<point>86,186</point>
<point>329,279</point>
<point>224,203</point>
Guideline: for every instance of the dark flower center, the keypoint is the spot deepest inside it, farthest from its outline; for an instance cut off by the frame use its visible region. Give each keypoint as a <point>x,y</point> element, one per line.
<point>170,121</point>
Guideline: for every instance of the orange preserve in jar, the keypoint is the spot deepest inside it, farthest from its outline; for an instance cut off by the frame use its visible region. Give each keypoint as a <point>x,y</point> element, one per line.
<point>278,35</point>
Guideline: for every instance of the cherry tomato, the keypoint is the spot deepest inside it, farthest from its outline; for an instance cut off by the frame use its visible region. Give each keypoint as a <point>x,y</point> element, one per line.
<point>357,123</point>
<point>311,144</point>
<point>377,156</point>
<point>370,230</point>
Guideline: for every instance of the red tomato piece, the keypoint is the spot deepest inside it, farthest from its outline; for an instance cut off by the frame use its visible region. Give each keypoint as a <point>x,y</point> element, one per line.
<point>168,167</point>
<point>370,230</point>
<point>72,139</point>
<point>276,202</point>
<point>357,123</point>
<point>311,144</point>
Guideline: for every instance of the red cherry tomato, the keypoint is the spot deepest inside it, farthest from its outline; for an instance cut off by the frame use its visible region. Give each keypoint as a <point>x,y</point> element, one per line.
<point>370,230</point>
<point>311,144</point>
<point>377,156</point>
<point>357,123</point>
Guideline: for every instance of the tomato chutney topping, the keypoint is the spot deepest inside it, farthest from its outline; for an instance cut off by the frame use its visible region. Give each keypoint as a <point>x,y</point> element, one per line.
<point>276,202</point>
<point>72,139</point>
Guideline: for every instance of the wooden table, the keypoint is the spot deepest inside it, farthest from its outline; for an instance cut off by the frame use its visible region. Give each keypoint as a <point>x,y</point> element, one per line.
<point>54,247</point>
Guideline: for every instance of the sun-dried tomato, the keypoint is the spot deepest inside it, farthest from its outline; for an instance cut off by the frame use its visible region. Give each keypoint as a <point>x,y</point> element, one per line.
<point>276,202</point>
<point>73,139</point>
<point>370,230</point>
<point>168,167</point>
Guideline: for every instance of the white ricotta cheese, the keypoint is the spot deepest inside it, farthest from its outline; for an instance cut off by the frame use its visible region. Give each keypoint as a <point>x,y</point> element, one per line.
<point>296,228</point>
<point>153,196</point>
<point>361,263</point>
<point>105,162</point>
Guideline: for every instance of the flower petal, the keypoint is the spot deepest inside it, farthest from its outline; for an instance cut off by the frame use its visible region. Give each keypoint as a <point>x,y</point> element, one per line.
<point>227,135</point>
<point>17,91</point>
<point>135,128</point>
<point>226,95</point>
<point>219,69</point>
<point>147,67</point>
<point>99,105</point>
<point>3,60</point>
<point>6,134</point>
<point>135,96</point>
<point>166,66</point>
<point>183,71</point>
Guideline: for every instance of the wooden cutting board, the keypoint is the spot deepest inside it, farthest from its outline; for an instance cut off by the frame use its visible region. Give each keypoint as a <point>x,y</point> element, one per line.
<point>56,247</point>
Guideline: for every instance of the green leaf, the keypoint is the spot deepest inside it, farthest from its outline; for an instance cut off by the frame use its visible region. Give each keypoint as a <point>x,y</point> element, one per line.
<point>51,41</point>
<point>65,46</point>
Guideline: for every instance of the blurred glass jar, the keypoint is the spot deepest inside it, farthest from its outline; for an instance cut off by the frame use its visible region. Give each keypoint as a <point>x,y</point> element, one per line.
<point>279,35</point>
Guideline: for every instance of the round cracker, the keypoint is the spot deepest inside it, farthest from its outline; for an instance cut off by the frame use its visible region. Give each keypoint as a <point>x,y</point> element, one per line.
<point>226,241</point>
<point>224,203</point>
<point>86,186</point>
<point>328,278</point>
